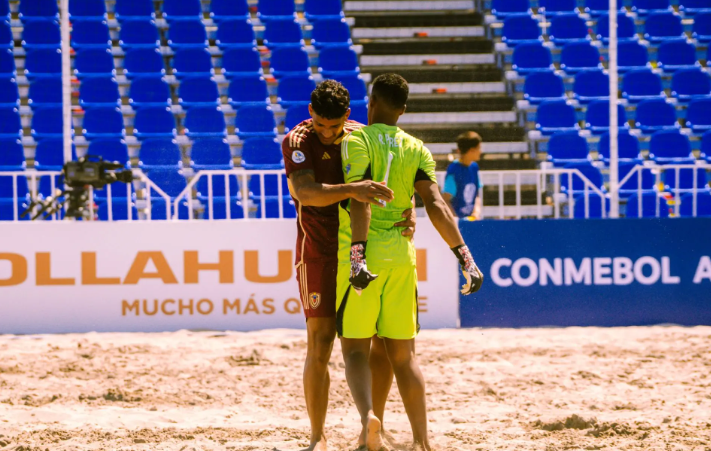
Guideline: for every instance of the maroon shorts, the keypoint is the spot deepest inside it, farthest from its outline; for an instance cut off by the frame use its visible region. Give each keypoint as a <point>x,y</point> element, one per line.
<point>317,288</point>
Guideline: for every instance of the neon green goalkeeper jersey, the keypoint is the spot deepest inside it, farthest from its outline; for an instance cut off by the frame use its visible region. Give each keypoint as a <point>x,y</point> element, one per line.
<point>365,155</point>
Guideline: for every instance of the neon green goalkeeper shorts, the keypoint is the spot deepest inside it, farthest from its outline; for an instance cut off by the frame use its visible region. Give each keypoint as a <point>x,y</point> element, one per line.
<point>386,308</point>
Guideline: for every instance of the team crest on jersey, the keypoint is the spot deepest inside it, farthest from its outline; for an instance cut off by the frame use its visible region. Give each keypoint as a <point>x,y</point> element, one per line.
<point>298,156</point>
<point>315,300</point>
<point>348,168</point>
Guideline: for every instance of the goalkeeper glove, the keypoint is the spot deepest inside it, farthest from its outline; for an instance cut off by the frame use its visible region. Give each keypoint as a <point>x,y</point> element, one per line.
<point>360,276</point>
<point>471,272</point>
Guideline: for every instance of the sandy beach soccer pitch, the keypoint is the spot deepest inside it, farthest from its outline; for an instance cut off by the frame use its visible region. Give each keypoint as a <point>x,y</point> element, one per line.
<point>641,388</point>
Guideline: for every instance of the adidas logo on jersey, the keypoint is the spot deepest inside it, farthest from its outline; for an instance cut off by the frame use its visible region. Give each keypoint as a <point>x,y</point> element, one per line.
<point>326,156</point>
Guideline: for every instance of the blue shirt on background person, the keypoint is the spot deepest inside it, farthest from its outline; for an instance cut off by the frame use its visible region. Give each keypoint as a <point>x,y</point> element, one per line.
<point>462,184</point>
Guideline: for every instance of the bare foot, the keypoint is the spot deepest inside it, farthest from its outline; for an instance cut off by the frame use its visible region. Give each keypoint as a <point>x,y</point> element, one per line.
<point>321,445</point>
<point>373,439</point>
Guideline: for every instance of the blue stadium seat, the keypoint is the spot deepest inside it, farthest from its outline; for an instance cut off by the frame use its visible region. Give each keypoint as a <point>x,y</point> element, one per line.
<point>706,146</point>
<point>121,209</point>
<point>698,115</point>
<point>205,122</point>
<point>703,205</point>
<point>46,186</point>
<point>10,211</point>
<point>627,147</point>
<point>43,63</point>
<point>296,91</point>
<point>99,92</point>
<point>567,147</point>
<point>642,84</point>
<point>329,33</point>
<point>9,188</point>
<point>160,154</point>
<point>554,116</point>
<point>690,84</point>
<point>7,63</point>
<point>670,147</point>
<point>49,154</point>
<point>12,157</point>
<point>290,61</point>
<point>597,8</point>
<point>271,187</point>
<point>656,115</point>
<point>591,85</point>
<point>38,10</point>
<point>192,62</point>
<point>567,28</point>
<point>557,7</point>
<point>631,55</point>
<point>691,7</point>
<point>651,204</point>
<point>90,34</point>
<point>577,56</point>
<point>588,171</point>
<point>154,122</point>
<point>171,182</point>
<point>129,10</point>
<point>634,184</point>
<point>187,34</point>
<point>149,92</point>
<point>211,153</point>
<point>198,91</point>
<point>676,55</point>
<point>143,63</point>
<point>262,153</point>
<point>224,10</point>
<point>504,8</point>
<point>235,33</point>
<point>644,7</point>
<point>597,117</point>
<point>86,10</point>
<point>594,209</point>
<point>626,28</point>
<point>359,114</point>
<point>47,123</point>
<point>179,10</point>
<point>283,33</point>
<point>114,150</point>
<point>543,85</point>
<point>336,62</point>
<point>255,122</point>
<point>139,34</point>
<point>272,209</point>
<point>219,208</point>
<point>315,10</point>
<point>531,57</point>
<point>104,122</point>
<point>5,10</point>
<point>9,95</point>
<point>242,62</point>
<point>296,114</point>
<point>276,10</point>
<point>94,63</point>
<point>10,126</point>
<point>685,182</point>
<point>158,208</point>
<point>663,26</point>
<point>248,91</point>
<point>356,89</point>
<point>41,34</point>
<point>702,28</point>
<point>6,38</point>
<point>120,192</point>
<point>520,30</point>
<point>219,190</point>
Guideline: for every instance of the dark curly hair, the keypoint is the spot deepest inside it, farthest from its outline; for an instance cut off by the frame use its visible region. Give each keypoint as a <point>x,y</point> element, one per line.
<point>330,100</point>
<point>468,141</point>
<point>392,89</point>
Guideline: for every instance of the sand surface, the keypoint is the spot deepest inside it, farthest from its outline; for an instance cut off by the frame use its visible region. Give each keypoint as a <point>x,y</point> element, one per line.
<point>645,388</point>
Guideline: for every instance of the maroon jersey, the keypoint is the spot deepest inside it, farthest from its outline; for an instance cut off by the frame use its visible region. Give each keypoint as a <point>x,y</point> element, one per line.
<point>317,237</point>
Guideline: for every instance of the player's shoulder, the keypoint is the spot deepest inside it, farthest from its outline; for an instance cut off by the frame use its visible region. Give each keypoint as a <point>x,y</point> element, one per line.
<point>299,135</point>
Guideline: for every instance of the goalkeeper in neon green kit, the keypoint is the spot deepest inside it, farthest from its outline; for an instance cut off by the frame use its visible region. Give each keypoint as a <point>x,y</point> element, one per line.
<point>382,299</point>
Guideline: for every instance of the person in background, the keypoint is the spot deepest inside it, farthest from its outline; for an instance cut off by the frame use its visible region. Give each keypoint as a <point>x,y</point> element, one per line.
<point>462,185</point>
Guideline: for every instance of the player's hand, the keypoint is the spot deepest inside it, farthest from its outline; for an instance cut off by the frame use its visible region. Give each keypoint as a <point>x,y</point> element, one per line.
<point>471,272</point>
<point>408,223</point>
<point>360,276</point>
<point>368,191</point>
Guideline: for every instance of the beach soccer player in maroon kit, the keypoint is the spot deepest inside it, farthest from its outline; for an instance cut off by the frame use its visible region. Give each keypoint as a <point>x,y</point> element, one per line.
<point>312,157</point>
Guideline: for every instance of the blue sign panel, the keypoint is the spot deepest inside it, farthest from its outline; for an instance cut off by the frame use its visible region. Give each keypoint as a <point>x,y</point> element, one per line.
<point>590,272</point>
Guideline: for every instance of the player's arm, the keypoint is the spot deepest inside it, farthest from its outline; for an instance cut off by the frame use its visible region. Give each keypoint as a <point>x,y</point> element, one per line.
<point>311,193</point>
<point>449,191</point>
<point>408,224</point>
